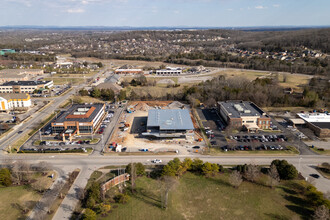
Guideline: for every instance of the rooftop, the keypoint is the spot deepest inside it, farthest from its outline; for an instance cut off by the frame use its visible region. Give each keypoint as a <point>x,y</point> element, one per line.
<point>25,83</point>
<point>170,119</point>
<point>315,117</point>
<point>237,109</point>
<point>8,96</point>
<point>80,113</point>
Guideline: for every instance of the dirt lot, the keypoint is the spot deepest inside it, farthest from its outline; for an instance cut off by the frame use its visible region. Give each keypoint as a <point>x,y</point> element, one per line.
<point>131,140</point>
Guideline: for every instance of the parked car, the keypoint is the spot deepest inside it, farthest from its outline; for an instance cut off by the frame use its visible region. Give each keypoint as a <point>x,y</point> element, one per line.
<point>156,161</point>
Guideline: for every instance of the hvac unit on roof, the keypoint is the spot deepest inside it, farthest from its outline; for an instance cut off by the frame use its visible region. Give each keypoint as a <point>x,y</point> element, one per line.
<point>247,111</point>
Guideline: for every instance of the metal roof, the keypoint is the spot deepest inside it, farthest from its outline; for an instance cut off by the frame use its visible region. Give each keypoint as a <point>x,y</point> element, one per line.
<point>25,83</point>
<point>170,119</point>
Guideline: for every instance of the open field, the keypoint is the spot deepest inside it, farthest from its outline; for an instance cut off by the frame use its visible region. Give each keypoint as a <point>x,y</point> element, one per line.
<point>64,80</point>
<point>197,197</point>
<point>86,99</point>
<point>13,197</point>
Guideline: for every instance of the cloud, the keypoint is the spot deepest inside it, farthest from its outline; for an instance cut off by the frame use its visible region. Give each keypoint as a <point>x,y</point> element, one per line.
<point>276,6</point>
<point>75,10</point>
<point>229,9</point>
<point>176,12</point>
<point>260,7</point>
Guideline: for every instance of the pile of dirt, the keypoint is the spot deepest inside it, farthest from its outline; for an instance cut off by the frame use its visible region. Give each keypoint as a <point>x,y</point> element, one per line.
<point>142,107</point>
<point>175,105</point>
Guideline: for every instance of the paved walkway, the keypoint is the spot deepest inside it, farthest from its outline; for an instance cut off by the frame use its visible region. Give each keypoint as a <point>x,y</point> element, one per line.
<point>72,198</point>
<point>42,207</point>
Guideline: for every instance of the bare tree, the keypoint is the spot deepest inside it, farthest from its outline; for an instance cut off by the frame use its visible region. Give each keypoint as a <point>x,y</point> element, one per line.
<point>44,167</point>
<point>133,176</point>
<point>235,179</point>
<point>321,213</point>
<point>20,171</point>
<point>167,184</point>
<point>273,176</point>
<point>40,185</point>
<point>252,172</point>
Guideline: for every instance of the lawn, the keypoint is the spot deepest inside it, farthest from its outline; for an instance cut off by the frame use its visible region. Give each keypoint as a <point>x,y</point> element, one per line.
<point>13,197</point>
<point>291,151</point>
<point>198,197</point>
<point>323,152</point>
<point>64,80</point>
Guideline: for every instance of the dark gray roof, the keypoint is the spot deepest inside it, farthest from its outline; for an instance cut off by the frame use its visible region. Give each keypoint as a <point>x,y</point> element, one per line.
<point>322,125</point>
<point>25,83</point>
<point>246,109</point>
<point>170,119</point>
<point>62,118</point>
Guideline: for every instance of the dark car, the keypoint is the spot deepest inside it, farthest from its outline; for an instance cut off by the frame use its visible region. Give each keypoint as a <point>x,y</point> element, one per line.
<point>316,176</point>
<point>19,132</point>
<point>196,147</point>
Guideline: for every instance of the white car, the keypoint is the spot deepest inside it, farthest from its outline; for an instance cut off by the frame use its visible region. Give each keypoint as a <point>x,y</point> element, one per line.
<point>156,161</point>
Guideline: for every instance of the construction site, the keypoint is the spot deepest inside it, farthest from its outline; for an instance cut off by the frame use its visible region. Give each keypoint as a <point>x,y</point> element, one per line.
<point>129,134</point>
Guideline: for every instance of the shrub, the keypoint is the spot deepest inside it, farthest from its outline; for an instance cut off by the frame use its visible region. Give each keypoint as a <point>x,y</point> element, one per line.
<point>122,198</point>
<point>285,170</point>
<point>89,215</point>
<point>5,178</point>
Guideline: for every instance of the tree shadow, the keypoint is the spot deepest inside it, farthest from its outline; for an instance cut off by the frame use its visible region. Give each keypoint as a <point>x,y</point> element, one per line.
<point>147,197</point>
<point>304,213</point>
<point>276,216</point>
<point>219,181</point>
<point>287,190</point>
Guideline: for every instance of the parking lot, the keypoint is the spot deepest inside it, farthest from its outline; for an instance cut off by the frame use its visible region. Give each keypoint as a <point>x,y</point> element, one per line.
<point>241,141</point>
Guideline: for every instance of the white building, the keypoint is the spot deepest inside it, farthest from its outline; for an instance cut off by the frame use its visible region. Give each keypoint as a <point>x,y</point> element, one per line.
<point>169,71</point>
<point>24,86</point>
<point>15,101</point>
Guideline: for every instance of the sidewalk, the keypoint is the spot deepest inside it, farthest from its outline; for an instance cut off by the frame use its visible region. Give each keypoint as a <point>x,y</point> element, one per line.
<point>71,200</point>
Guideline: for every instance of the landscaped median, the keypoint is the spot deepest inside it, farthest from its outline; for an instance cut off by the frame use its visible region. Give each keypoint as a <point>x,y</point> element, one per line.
<point>320,150</point>
<point>87,150</point>
<point>290,150</point>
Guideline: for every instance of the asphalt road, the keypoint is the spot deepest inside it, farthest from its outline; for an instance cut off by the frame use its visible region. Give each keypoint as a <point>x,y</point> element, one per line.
<point>87,164</point>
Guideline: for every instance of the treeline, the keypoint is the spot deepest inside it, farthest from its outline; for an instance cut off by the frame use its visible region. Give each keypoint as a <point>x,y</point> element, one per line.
<point>312,66</point>
<point>264,92</point>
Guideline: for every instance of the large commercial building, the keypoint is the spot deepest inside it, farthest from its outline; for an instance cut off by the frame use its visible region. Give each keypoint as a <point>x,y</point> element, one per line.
<point>169,71</point>
<point>244,114</point>
<point>24,86</point>
<point>128,71</point>
<point>13,101</point>
<point>169,123</point>
<point>7,75</point>
<point>318,122</point>
<point>79,120</point>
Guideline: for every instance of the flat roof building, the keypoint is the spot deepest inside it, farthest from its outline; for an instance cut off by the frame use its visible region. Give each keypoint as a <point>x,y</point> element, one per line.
<point>79,119</point>
<point>19,74</point>
<point>13,101</point>
<point>24,86</point>
<point>128,71</point>
<point>244,114</point>
<point>169,71</point>
<point>169,123</point>
<point>318,122</point>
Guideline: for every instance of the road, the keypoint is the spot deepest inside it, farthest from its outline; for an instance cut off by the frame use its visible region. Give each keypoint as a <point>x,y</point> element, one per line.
<point>87,164</point>
<point>38,117</point>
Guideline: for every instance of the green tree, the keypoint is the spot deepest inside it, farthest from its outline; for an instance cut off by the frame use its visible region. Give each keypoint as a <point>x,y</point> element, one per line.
<point>90,203</point>
<point>83,92</point>
<point>122,95</point>
<point>5,177</point>
<point>285,170</point>
<point>207,169</point>
<point>89,215</point>
<point>96,93</point>
<point>140,169</point>
<point>197,165</point>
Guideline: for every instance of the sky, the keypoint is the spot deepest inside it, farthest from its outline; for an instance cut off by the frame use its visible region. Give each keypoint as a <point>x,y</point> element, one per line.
<point>146,13</point>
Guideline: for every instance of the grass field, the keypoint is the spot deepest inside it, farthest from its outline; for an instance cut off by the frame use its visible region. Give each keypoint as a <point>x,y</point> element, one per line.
<point>13,197</point>
<point>323,152</point>
<point>64,80</point>
<point>292,151</point>
<point>197,197</point>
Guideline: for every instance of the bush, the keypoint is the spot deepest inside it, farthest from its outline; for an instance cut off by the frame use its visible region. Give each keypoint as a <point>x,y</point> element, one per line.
<point>285,170</point>
<point>89,215</point>
<point>122,198</point>
<point>5,178</point>
<point>139,169</point>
